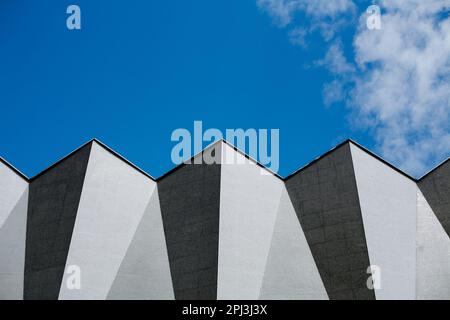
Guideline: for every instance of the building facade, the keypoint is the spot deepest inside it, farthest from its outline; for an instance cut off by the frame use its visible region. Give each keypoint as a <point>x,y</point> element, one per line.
<point>230,229</point>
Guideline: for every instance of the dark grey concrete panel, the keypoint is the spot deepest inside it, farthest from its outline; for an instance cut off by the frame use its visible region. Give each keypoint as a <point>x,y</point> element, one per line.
<point>190,204</point>
<point>436,189</point>
<point>53,202</point>
<point>325,198</point>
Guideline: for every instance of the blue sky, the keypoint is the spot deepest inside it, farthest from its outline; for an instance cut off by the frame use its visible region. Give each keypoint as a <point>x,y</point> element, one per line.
<point>140,69</point>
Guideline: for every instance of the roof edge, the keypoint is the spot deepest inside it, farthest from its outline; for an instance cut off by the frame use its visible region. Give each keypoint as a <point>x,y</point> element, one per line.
<point>39,174</point>
<point>252,159</point>
<point>379,158</point>
<point>181,165</point>
<point>101,144</point>
<point>435,168</point>
<point>221,140</point>
<point>116,154</point>
<point>14,169</point>
<point>317,159</point>
<point>356,144</point>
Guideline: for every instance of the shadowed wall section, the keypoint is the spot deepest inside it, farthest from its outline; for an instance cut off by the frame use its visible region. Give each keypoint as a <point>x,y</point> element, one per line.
<point>13,221</point>
<point>433,254</point>
<point>190,201</point>
<point>53,204</point>
<point>144,272</point>
<point>436,188</point>
<point>290,272</point>
<point>325,198</point>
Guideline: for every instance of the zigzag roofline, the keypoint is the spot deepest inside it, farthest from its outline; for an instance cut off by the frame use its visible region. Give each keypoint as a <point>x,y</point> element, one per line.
<point>116,154</point>
<point>84,145</point>
<point>347,141</point>
<point>380,158</point>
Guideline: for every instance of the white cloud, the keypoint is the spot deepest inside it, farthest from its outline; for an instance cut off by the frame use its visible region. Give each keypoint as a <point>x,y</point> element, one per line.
<point>326,16</point>
<point>281,10</point>
<point>335,60</point>
<point>297,36</point>
<point>402,90</point>
<point>399,77</point>
<point>333,92</point>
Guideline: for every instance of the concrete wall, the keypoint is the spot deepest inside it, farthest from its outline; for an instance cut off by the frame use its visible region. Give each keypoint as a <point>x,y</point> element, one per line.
<point>388,205</point>
<point>249,201</point>
<point>113,204</point>
<point>189,199</point>
<point>230,230</point>
<point>433,231</point>
<point>144,272</point>
<point>436,189</point>
<point>13,218</point>
<point>325,198</point>
<point>433,254</point>
<point>52,210</point>
<point>291,272</point>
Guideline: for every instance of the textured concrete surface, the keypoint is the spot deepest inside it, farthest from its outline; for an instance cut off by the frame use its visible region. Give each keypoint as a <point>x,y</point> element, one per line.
<point>436,189</point>
<point>291,272</point>
<point>325,199</point>
<point>226,231</point>
<point>144,272</point>
<point>433,254</point>
<point>112,204</point>
<point>388,206</point>
<point>249,199</point>
<point>52,209</point>
<point>13,218</point>
<point>190,199</point>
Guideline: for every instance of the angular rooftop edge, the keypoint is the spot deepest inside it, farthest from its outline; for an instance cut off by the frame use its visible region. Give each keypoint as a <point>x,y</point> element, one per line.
<point>379,158</point>
<point>116,154</point>
<point>14,169</point>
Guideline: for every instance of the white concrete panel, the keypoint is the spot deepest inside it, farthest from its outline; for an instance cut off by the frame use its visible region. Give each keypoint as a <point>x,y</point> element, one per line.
<point>249,200</point>
<point>291,271</point>
<point>145,271</point>
<point>13,219</point>
<point>112,203</point>
<point>12,187</point>
<point>388,207</point>
<point>433,254</point>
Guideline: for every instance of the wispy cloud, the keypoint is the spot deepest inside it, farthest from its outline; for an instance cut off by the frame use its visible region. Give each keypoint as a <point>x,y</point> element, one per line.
<point>403,89</point>
<point>397,83</point>
<point>325,16</point>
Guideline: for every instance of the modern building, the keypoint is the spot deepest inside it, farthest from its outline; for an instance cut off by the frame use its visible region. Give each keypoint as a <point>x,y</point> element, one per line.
<point>227,230</point>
